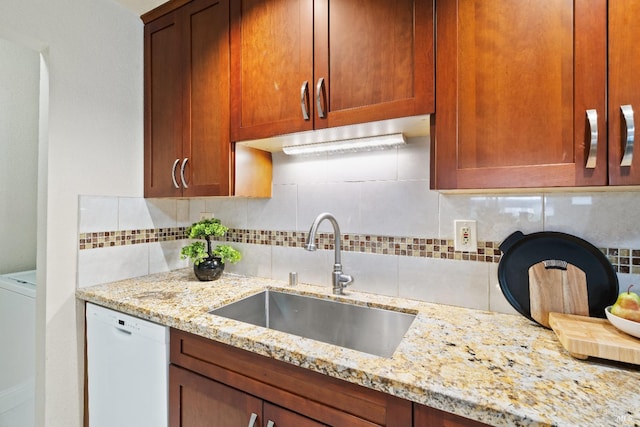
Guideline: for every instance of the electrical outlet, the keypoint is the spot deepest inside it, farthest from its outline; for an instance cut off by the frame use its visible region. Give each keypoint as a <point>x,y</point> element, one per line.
<point>466,237</point>
<point>206,215</point>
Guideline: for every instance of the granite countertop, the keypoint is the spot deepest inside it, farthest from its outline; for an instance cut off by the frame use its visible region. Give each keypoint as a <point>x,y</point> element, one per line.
<point>496,368</point>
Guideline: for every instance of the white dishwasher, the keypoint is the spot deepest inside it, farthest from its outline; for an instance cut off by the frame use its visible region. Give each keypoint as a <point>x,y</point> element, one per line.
<point>127,370</point>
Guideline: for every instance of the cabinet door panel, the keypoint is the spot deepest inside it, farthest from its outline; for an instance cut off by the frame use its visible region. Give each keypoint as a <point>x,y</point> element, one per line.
<point>284,418</point>
<point>196,401</point>
<point>532,73</point>
<point>515,81</point>
<point>624,74</point>
<point>163,106</point>
<point>376,58</point>
<point>272,56</point>
<point>206,99</point>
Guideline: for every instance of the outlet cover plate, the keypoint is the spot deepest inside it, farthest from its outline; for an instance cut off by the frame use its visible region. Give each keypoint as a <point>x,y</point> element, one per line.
<point>466,235</point>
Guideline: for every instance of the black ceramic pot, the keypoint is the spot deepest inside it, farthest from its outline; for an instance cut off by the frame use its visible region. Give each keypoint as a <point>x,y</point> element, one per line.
<point>209,269</point>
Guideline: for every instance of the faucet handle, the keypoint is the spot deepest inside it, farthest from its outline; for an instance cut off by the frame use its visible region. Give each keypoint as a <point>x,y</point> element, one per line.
<point>340,281</point>
<point>345,279</point>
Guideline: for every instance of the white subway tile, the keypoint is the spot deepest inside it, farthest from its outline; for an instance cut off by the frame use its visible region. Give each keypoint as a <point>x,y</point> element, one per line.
<point>96,266</point>
<point>196,206</point>
<point>299,169</point>
<point>463,284</point>
<point>380,165</point>
<point>97,213</point>
<point>183,209</point>
<point>231,211</point>
<point>312,267</point>
<point>340,199</point>
<point>625,280</point>
<point>133,214</point>
<point>256,260</point>
<point>413,159</point>
<point>163,212</point>
<point>497,301</point>
<point>377,274</point>
<point>402,208</point>
<point>497,216</point>
<point>608,219</point>
<point>277,213</point>
<point>165,256</point>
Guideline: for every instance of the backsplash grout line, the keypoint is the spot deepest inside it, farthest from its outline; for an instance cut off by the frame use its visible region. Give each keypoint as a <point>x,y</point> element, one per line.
<point>623,260</point>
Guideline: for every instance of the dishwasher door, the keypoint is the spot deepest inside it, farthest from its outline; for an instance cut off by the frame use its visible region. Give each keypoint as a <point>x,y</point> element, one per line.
<point>127,370</point>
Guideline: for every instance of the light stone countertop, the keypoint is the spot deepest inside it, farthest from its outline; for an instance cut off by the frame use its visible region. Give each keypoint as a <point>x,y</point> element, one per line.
<point>496,368</point>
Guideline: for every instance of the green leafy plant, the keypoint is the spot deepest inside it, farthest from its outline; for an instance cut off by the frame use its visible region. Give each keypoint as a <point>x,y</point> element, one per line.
<point>199,251</point>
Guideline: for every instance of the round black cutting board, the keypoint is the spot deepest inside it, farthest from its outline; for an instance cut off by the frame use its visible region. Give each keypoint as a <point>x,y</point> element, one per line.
<point>521,251</point>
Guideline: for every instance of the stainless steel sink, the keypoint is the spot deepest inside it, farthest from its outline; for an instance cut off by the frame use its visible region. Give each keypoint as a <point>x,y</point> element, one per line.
<point>370,330</point>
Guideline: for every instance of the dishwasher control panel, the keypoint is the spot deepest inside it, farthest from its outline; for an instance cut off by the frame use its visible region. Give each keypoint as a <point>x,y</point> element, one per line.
<point>127,323</point>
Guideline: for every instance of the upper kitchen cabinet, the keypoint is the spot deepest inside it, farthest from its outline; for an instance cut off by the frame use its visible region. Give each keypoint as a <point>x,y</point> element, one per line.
<point>624,91</point>
<point>299,65</point>
<point>187,148</point>
<point>187,145</point>
<point>521,93</point>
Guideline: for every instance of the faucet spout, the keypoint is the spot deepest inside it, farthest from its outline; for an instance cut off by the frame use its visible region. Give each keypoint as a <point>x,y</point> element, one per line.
<point>339,279</point>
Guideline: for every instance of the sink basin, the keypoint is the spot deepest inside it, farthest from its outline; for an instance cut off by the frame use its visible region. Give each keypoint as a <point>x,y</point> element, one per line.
<point>371,330</point>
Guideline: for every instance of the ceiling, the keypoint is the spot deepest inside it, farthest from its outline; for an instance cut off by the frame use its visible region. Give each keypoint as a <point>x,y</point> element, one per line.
<point>140,6</point>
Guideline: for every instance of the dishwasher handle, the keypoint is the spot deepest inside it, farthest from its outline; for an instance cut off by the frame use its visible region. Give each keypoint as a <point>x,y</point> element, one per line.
<point>123,331</point>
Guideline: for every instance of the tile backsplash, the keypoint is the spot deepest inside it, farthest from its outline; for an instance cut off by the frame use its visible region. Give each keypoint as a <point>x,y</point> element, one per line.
<point>397,234</point>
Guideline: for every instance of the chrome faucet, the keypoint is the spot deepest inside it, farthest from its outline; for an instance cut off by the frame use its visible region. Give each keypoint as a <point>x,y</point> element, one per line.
<point>340,280</point>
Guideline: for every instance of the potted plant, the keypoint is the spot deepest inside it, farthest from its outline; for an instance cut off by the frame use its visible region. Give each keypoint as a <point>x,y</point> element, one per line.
<point>208,263</point>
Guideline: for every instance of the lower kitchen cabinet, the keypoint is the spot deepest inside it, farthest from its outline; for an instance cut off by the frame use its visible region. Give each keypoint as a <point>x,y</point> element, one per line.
<point>215,385</point>
<point>221,375</point>
<point>204,403</point>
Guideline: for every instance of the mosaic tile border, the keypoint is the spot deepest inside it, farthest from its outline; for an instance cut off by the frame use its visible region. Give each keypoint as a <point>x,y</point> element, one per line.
<point>105,239</point>
<point>623,260</point>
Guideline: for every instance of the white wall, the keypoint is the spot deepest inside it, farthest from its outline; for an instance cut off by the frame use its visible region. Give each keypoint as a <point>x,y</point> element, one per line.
<point>93,138</point>
<point>19,83</point>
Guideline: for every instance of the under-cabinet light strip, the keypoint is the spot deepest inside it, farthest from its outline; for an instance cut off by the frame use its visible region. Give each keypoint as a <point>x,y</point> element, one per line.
<point>347,145</point>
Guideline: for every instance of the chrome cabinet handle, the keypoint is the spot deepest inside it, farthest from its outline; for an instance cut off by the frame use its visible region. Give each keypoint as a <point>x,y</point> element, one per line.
<point>628,139</point>
<point>184,163</point>
<point>252,420</point>
<point>592,117</point>
<point>271,424</point>
<point>173,173</point>
<point>320,90</point>
<point>304,98</point>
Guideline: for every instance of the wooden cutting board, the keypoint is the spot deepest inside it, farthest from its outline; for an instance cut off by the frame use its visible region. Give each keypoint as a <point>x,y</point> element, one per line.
<point>584,336</point>
<point>557,286</point>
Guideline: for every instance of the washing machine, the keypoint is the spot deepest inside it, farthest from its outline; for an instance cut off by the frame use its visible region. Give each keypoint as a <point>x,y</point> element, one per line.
<point>17,358</point>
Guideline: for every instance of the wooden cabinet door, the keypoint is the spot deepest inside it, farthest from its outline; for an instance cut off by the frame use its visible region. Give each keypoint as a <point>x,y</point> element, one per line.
<point>515,81</point>
<point>187,146</point>
<point>196,401</point>
<point>624,90</point>
<point>281,417</point>
<point>162,106</point>
<point>272,68</point>
<point>375,60</point>
<point>300,64</point>
<point>206,143</point>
